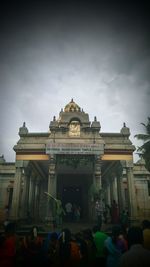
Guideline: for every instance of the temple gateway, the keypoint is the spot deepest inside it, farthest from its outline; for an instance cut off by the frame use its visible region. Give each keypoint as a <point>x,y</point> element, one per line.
<point>73,162</point>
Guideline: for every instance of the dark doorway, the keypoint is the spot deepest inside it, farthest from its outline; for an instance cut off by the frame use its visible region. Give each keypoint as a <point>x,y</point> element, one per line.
<point>72,194</point>
<point>74,188</point>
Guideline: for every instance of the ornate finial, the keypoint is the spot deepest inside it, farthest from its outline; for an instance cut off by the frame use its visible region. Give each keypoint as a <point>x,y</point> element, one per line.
<point>23,129</point>
<point>54,118</point>
<point>71,107</point>
<point>61,109</point>
<point>95,119</point>
<point>125,130</point>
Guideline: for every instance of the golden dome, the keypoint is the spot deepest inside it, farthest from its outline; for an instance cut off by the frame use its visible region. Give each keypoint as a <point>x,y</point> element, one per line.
<point>72,107</point>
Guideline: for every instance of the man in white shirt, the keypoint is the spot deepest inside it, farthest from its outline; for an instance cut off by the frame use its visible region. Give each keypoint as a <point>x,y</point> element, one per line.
<point>99,209</point>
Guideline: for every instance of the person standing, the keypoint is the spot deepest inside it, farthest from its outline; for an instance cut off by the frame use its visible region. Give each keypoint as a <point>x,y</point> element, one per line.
<point>124,221</point>
<point>146,233</point>
<point>137,255</point>
<point>59,212</point>
<point>99,238</point>
<point>115,212</point>
<point>68,208</point>
<point>8,246</point>
<point>77,213</point>
<point>6,216</point>
<point>104,211</point>
<point>99,212</point>
<point>115,246</point>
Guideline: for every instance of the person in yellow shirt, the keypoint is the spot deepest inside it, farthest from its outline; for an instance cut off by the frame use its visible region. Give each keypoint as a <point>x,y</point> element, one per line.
<point>146,234</point>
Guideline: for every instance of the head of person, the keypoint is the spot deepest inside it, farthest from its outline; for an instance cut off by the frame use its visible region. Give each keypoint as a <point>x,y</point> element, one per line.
<point>78,236</point>
<point>34,232</point>
<point>10,228</point>
<point>87,233</point>
<point>116,231</point>
<point>135,235</point>
<point>59,203</point>
<point>54,236</point>
<point>65,235</point>
<point>96,228</point>
<point>2,240</point>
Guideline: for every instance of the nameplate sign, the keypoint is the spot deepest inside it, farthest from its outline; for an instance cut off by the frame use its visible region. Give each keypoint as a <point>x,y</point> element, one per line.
<point>86,149</point>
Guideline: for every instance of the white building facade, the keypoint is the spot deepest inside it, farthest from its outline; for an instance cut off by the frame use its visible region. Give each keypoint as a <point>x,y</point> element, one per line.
<point>74,161</point>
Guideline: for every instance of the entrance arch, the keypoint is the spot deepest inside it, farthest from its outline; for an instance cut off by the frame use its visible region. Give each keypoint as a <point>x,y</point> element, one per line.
<point>43,149</point>
<point>74,182</point>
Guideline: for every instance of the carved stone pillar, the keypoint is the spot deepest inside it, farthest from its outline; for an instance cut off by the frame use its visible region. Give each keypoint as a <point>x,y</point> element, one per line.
<point>111,190</point>
<point>108,201</point>
<point>132,204</point>
<point>97,173</point>
<point>52,177</point>
<point>120,193</point>
<point>32,195</point>
<point>37,198</point>
<point>16,202</point>
<point>108,195</point>
<point>51,188</point>
<point>25,195</point>
<point>114,186</point>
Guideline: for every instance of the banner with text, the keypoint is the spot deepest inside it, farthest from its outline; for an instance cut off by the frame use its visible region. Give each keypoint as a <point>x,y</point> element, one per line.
<point>88,149</point>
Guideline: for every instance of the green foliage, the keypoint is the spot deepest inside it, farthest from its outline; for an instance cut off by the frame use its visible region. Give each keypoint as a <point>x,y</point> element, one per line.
<point>74,160</point>
<point>144,150</point>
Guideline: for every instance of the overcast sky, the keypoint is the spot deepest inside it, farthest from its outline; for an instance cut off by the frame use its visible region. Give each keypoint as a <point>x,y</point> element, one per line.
<point>99,55</point>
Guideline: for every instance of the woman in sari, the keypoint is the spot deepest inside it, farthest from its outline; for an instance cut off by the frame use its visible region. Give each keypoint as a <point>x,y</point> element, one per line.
<point>115,246</point>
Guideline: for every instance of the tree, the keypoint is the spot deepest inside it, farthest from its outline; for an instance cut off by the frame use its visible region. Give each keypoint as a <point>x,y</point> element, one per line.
<point>144,150</point>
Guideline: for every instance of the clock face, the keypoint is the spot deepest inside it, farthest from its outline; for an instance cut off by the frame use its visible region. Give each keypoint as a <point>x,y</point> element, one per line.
<point>74,128</point>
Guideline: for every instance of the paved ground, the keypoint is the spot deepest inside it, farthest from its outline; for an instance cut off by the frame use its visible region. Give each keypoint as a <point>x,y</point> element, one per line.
<point>76,226</point>
<point>48,227</point>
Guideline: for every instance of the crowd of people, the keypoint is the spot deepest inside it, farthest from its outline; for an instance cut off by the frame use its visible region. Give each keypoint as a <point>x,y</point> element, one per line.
<point>110,214</point>
<point>103,213</point>
<point>88,247</point>
<point>69,213</point>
